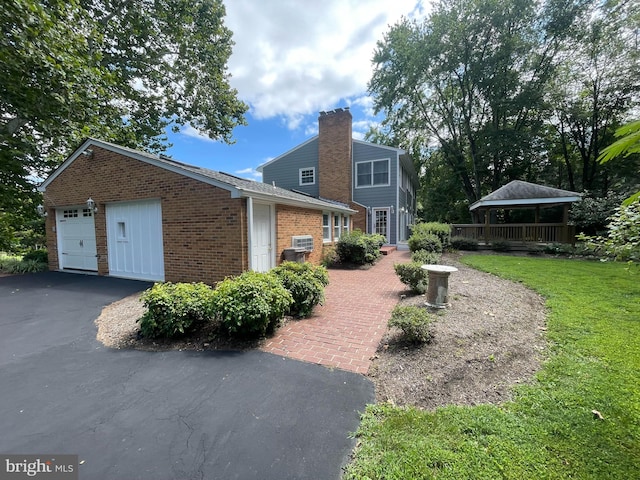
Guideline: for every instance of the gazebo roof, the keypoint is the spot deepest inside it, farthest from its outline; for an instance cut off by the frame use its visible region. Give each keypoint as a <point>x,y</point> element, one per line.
<point>521,194</point>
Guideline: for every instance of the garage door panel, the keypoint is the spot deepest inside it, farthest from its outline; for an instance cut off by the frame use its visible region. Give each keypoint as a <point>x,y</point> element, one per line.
<point>134,240</point>
<point>77,239</point>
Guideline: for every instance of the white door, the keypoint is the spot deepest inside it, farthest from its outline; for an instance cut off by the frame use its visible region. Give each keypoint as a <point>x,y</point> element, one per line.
<point>381,222</point>
<point>76,239</point>
<point>261,250</point>
<point>134,240</point>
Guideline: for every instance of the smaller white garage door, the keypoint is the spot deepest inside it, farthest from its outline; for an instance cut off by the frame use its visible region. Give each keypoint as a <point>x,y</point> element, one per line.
<point>76,239</point>
<point>134,240</point>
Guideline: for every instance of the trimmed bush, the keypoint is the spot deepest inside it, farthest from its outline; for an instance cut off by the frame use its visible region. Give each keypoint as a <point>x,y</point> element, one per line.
<point>359,248</point>
<point>37,255</point>
<point>15,265</point>
<point>500,246</point>
<point>425,241</point>
<point>425,258</point>
<point>464,243</point>
<point>412,275</point>
<point>414,322</point>
<point>441,230</point>
<point>174,308</point>
<point>251,304</point>
<point>305,282</point>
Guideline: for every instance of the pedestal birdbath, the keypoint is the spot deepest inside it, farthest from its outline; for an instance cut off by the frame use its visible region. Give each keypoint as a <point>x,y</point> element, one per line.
<point>438,291</point>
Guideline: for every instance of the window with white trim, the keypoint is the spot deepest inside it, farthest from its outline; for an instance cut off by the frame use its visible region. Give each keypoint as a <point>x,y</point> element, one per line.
<point>336,227</point>
<point>326,228</point>
<point>372,173</point>
<point>345,224</point>
<point>307,176</point>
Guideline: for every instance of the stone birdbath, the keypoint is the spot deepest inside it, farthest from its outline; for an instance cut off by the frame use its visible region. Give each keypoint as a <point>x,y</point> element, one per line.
<point>438,290</point>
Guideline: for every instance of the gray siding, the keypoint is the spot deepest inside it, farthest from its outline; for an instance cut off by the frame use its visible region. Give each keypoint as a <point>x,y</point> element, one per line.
<point>286,170</point>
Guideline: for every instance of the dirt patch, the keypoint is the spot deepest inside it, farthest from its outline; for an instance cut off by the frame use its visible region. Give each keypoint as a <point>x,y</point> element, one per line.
<point>489,339</point>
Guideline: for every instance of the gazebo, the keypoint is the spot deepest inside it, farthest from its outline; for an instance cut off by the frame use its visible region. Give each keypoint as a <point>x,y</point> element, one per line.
<point>520,195</point>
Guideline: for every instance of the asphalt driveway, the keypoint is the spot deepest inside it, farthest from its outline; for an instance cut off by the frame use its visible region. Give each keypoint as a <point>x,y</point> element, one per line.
<point>169,415</point>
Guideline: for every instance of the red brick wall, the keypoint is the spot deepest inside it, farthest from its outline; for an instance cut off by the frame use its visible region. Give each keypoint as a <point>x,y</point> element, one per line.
<point>335,155</point>
<point>292,221</point>
<point>204,229</point>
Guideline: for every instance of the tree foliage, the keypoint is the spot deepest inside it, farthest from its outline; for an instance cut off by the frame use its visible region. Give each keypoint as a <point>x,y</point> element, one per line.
<point>120,70</point>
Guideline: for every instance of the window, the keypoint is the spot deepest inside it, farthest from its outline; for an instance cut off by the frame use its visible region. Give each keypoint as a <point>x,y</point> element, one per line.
<point>345,224</point>
<point>326,228</point>
<point>372,174</point>
<point>87,212</point>
<point>122,232</point>
<point>307,176</point>
<point>336,227</point>
<point>70,213</point>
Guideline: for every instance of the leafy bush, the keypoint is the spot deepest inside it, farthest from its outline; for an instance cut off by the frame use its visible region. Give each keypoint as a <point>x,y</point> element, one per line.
<point>414,322</point>
<point>359,248</point>
<point>425,241</point>
<point>441,230</point>
<point>329,256</point>
<point>305,282</point>
<point>500,246</point>
<point>591,214</point>
<point>251,304</point>
<point>38,255</point>
<point>464,243</point>
<point>16,265</point>
<point>622,241</point>
<point>174,308</point>
<point>412,275</point>
<point>425,258</point>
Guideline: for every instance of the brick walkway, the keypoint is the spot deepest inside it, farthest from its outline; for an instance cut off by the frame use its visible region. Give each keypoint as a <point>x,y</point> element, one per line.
<point>346,330</point>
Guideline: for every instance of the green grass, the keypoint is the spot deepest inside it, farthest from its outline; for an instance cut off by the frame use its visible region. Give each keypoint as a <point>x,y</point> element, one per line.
<point>548,431</point>
<point>15,265</point>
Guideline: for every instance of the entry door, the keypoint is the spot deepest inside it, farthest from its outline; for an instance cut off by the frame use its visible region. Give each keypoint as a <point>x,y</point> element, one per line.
<point>261,249</point>
<point>381,222</point>
<point>77,239</point>
<point>134,240</point>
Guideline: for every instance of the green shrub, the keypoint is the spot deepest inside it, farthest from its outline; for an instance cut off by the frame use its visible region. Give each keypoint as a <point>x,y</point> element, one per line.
<point>37,255</point>
<point>251,304</point>
<point>16,265</point>
<point>359,248</point>
<point>174,308</point>
<point>414,322</point>
<point>441,230</point>
<point>329,256</point>
<point>425,258</point>
<point>500,246</point>
<point>305,282</point>
<point>464,243</point>
<point>412,275</point>
<point>425,241</point>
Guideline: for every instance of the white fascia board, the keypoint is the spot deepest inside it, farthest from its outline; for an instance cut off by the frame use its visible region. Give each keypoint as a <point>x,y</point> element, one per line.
<point>296,203</point>
<point>522,201</point>
<point>386,147</point>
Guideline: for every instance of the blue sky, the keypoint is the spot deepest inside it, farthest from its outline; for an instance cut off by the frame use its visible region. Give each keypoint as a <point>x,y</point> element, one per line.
<point>291,60</point>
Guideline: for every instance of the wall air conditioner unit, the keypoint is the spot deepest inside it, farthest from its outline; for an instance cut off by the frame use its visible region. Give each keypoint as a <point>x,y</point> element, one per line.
<point>302,241</point>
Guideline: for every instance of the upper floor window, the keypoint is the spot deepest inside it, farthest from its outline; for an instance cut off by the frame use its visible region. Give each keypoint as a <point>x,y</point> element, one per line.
<point>307,176</point>
<point>372,173</point>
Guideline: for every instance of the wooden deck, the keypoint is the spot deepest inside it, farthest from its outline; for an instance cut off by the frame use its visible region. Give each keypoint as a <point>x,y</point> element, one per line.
<point>516,232</point>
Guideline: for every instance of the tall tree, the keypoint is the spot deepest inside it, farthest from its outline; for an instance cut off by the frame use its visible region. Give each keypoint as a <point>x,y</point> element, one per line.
<point>470,80</point>
<point>597,84</point>
<point>121,70</point>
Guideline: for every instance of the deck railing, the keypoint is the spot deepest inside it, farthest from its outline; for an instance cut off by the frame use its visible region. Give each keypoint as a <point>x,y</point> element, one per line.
<point>516,232</point>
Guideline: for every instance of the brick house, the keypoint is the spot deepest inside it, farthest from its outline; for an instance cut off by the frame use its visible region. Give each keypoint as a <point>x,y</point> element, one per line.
<point>377,181</point>
<point>111,210</point>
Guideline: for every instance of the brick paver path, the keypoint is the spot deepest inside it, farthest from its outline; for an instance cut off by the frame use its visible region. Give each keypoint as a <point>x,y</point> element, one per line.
<point>346,330</point>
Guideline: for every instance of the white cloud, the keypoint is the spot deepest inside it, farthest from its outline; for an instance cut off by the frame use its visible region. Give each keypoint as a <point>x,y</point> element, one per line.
<point>294,58</point>
<point>189,131</point>
<point>249,173</point>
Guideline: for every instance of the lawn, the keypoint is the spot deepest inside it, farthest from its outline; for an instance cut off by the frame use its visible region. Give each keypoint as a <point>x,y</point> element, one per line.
<point>549,430</point>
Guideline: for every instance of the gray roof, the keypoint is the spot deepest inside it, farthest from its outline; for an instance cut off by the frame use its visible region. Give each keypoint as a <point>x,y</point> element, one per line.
<point>519,193</point>
<point>239,187</point>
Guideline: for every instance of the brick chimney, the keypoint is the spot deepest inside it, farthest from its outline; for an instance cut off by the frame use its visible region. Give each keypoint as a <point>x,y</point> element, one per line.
<point>335,154</point>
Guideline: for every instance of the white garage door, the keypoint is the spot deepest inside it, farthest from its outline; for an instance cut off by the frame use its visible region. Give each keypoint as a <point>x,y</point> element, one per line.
<point>76,239</point>
<point>134,240</point>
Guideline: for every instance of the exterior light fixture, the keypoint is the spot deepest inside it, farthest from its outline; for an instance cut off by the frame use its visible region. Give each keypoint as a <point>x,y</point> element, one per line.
<point>41,211</point>
<point>87,153</point>
<point>392,210</point>
<point>91,205</point>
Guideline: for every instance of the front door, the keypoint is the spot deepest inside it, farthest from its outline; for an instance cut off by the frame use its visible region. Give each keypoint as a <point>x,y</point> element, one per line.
<point>77,239</point>
<point>381,222</point>
<point>261,248</point>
